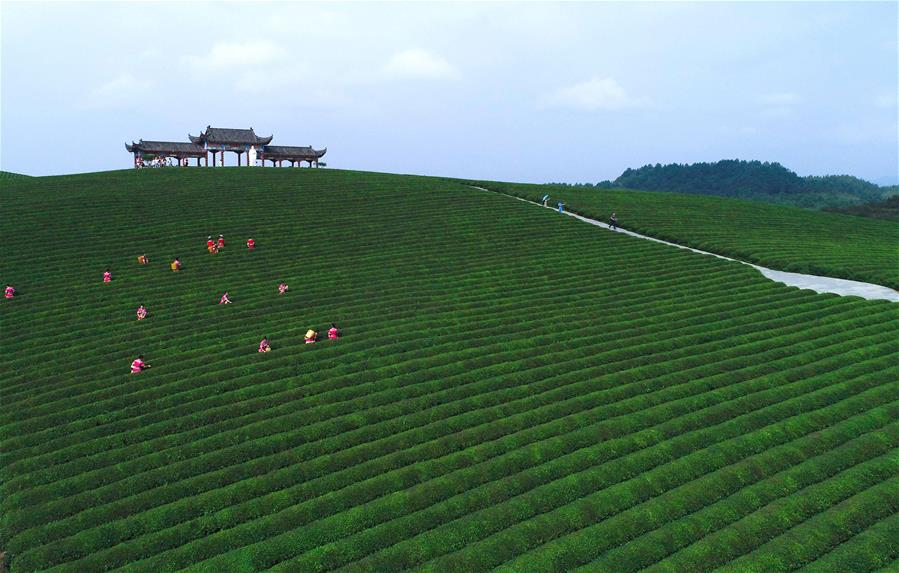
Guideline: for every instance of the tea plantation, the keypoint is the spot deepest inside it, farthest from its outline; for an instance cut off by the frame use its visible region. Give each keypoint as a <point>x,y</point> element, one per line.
<point>514,389</point>
<point>776,236</point>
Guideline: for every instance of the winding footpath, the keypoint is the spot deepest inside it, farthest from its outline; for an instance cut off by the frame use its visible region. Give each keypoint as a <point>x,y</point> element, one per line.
<point>811,282</point>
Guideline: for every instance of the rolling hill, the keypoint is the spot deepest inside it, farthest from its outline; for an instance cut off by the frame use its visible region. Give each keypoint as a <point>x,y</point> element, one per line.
<point>776,236</point>
<point>513,389</point>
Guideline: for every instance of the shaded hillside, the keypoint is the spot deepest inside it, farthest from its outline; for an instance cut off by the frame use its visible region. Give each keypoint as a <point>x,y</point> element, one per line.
<point>888,209</point>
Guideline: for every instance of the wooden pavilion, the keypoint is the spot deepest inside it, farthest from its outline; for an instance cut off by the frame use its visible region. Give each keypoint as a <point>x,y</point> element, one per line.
<point>278,153</point>
<point>177,149</point>
<point>218,140</point>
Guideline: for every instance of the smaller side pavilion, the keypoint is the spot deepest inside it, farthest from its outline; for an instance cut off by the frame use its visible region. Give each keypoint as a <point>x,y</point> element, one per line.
<point>278,153</point>
<point>176,149</point>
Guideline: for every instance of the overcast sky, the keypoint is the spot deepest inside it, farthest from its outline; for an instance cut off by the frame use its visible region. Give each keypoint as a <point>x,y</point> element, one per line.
<point>509,91</point>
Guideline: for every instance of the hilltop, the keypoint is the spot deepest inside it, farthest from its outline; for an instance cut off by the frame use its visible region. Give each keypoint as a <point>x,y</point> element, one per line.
<point>513,388</point>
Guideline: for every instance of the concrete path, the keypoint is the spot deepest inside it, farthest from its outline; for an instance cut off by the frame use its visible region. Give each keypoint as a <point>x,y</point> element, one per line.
<point>811,282</point>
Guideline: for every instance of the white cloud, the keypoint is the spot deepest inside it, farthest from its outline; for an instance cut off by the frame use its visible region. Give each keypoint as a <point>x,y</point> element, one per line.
<point>267,81</point>
<point>230,56</point>
<point>420,64</point>
<point>780,99</point>
<point>120,90</point>
<point>594,94</point>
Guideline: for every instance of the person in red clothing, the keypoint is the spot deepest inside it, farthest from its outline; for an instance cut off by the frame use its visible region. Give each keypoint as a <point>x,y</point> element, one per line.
<point>221,242</point>
<point>333,332</point>
<point>9,291</point>
<point>209,243</point>
<point>251,244</point>
<point>138,365</point>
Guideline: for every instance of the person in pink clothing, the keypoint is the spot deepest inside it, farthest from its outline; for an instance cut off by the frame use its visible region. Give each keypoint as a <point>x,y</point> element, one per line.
<point>333,332</point>
<point>141,312</point>
<point>311,336</point>
<point>282,288</point>
<point>138,365</point>
<point>221,242</point>
<point>107,276</point>
<point>9,292</point>
<point>264,346</point>
<point>225,299</point>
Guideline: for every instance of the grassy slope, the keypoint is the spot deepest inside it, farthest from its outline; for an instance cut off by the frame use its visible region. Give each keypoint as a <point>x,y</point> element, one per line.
<point>7,175</point>
<point>513,388</point>
<point>780,237</point>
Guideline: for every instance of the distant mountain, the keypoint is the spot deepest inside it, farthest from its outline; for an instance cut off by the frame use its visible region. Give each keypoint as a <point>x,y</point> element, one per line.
<point>756,180</point>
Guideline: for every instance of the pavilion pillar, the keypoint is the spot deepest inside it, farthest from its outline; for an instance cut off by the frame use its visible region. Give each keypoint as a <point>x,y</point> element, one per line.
<point>238,158</point>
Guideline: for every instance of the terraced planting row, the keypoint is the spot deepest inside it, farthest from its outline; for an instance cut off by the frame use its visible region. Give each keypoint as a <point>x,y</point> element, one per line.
<point>779,237</point>
<point>514,389</point>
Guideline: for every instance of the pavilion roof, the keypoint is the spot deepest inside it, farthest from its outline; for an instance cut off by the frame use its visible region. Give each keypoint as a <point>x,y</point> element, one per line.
<point>229,136</point>
<point>292,151</point>
<point>174,147</point>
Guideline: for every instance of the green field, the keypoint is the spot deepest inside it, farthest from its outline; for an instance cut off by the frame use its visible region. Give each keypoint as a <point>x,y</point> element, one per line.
<point>514,389</point>
<point>776,236</point>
